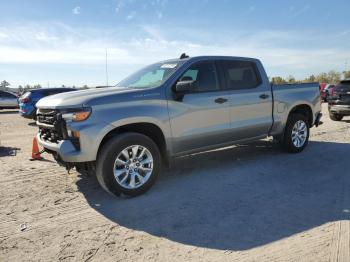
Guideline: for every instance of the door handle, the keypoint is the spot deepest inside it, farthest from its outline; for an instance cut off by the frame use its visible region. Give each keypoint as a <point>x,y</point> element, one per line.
<point>264,96</point>
<point>220,100</point>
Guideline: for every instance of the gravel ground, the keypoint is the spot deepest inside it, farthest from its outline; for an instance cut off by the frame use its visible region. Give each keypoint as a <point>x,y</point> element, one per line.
<point>251,202</point>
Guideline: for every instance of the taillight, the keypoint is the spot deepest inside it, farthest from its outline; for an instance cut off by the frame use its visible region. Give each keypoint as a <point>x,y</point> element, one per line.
<point>25,100</point>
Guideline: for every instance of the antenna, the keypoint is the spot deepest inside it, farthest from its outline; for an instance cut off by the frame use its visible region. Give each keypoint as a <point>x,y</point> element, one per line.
<point>106,69</point>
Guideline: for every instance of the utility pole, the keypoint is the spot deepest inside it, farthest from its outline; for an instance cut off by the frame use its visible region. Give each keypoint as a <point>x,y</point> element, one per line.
<point>106,69</point>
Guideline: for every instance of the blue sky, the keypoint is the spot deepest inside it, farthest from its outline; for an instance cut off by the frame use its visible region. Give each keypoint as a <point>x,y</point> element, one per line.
<point>64,42</point>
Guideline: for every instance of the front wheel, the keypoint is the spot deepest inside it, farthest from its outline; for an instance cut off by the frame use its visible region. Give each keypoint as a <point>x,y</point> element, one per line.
<point>128,163</point>
<point>296,134</point>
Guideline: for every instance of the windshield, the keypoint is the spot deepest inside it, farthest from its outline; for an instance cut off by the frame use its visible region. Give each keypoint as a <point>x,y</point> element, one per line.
<point>150,76</point>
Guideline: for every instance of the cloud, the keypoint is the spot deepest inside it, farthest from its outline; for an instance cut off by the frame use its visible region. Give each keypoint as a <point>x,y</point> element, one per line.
<point>296,13</point>
<point>76,10</point>
<point>282,52</point>
<point>131,16</point>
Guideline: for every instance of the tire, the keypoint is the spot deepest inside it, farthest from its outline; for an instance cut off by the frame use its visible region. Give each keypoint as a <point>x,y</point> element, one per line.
<point>107,164</point>
<point>335,117</point>
<point>289,143</point>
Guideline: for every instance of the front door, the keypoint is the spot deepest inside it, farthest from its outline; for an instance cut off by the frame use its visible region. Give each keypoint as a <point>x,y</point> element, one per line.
<point>201,118</point>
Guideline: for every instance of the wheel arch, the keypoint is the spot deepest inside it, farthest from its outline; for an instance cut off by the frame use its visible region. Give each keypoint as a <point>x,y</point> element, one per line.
<point>303,109</point>
<point>150,130</point>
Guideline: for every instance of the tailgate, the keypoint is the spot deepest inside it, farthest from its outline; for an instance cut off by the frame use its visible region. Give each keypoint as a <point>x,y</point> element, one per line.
<point>341,95</point>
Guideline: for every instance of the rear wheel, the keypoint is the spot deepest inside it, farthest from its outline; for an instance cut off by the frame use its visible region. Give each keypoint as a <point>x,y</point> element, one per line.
<point>335,117</point>
<point>296,134</point>
<point>128,163</point>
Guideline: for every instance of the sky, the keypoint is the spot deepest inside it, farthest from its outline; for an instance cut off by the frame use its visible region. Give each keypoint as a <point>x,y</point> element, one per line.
<point>64,42</point>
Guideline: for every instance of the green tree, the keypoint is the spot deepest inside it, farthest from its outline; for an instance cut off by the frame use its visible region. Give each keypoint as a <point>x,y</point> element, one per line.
<point>346,74</point>
<point>20,89</point>
<point>278,80</point>
<point>322,78</point>
<point>4,85</point>
<point>291,79</point>
<point>310,79</point>
<point>333,77</point>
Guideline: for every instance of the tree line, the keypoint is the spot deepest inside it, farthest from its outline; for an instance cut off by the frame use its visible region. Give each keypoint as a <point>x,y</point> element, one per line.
<point>5,86</point>
<point>332,77</point>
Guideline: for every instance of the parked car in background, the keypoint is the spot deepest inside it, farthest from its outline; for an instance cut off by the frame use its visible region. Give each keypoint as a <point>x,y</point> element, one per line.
<point>169,109</point>
<point>339,101</point>
<point>327,91</point>
<point>27,102</point>
<point>322,91</point>
<point>8,100</point>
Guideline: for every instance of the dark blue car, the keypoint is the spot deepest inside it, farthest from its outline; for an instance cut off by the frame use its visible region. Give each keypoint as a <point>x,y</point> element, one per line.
<point>29,99</point>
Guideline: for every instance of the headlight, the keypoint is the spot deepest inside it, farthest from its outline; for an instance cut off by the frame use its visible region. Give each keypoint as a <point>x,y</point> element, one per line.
<point>77,115</point>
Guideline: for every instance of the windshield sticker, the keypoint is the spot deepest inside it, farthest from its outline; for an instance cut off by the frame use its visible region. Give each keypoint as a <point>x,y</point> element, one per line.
<point>169,66</point>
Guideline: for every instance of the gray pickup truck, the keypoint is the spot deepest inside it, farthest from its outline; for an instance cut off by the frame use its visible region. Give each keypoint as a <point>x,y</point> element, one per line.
<point>126,133</point>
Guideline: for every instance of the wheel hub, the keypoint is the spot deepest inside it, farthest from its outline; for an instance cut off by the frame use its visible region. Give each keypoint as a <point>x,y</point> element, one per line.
<point>299,133</point>
<point>133,166</point>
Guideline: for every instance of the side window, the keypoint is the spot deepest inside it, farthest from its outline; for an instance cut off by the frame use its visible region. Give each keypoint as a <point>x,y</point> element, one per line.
<point>8,95</point>
<point>241,74</point>
<point>204,75</point>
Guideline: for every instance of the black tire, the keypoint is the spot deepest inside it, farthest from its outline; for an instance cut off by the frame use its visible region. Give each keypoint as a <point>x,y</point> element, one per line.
<point>108,155</point>
<point>335,117</point>
<point>287,142</point>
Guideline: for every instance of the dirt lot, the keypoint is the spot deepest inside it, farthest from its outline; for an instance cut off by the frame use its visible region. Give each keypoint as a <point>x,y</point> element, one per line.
<point>249,203</point>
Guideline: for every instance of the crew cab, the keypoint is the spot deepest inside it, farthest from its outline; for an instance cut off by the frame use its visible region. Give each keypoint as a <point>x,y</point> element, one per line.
<point>126,133</point>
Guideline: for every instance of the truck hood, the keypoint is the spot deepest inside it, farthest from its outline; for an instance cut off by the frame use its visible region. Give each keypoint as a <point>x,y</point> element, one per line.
<point>80,98</point>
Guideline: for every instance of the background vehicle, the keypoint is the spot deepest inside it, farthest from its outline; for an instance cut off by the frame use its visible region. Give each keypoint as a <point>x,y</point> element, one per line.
<point>170,109</point>
<point>29,99</point>
<point>8,100</point>
<point>339,101</point>
<point>326,92</point>
<point>322,88</point>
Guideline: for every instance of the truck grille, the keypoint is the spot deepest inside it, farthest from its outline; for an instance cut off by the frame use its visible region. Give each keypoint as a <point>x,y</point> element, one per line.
<point>52,127</point>
<point>47,116</point>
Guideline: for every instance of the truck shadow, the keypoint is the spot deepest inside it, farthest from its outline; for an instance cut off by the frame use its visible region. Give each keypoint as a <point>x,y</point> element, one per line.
<point>236,199</point>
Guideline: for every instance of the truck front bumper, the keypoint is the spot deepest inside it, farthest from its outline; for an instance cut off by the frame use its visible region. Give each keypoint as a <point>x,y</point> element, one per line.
<point>64,151</point>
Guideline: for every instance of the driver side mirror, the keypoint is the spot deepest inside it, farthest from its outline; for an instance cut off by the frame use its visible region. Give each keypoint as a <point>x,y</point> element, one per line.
<point>186,86</point>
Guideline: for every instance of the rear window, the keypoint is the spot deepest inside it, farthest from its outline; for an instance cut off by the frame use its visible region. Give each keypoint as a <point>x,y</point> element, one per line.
<point>241,74</point>
<point>343,86</point>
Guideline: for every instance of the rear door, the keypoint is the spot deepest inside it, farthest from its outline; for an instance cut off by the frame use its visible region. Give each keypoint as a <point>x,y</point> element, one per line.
<point>250,99</point>
<point>201,118</point>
